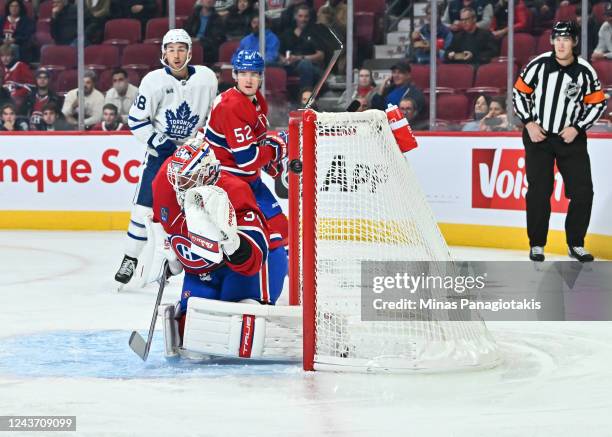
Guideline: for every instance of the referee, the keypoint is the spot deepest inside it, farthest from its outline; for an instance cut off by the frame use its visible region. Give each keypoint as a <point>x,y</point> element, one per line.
<point>558,97</point>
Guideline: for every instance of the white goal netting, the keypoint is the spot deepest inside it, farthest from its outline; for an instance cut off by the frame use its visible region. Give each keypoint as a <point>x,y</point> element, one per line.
<point>369,207</point>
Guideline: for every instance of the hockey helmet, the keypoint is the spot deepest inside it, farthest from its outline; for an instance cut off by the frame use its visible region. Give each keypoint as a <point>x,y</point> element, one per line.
<point>193,164</point>
<point>248,60</point>
<point>564,28</point>
<point>176,35</point>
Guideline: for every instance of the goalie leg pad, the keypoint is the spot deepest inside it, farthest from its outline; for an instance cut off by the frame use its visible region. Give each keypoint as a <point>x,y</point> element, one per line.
<point>241,330</point>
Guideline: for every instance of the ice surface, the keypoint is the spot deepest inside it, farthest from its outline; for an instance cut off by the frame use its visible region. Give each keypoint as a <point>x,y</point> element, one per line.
<point>63,351</point>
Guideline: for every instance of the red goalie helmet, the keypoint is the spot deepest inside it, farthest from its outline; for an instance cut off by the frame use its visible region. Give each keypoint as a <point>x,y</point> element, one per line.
<point>193,164</point>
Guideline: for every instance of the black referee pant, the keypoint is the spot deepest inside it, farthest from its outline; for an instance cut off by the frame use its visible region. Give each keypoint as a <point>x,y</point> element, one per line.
<point>575,167</point>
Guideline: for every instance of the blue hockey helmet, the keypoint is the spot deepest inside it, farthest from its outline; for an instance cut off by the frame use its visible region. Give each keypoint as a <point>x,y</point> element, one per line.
<point>248,60</point>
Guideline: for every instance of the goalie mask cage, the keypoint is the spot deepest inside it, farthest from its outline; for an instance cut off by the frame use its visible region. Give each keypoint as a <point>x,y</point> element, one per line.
<point>357,199</point>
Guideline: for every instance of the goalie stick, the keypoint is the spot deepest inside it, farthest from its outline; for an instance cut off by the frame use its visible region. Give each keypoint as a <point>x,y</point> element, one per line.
<point>137,343</point>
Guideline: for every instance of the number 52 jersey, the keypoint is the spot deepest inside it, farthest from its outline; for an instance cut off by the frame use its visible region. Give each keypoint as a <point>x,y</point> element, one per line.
<point>170,108</point>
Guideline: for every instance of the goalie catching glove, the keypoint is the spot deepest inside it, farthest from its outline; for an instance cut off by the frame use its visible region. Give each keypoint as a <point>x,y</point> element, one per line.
<point>211,221</point>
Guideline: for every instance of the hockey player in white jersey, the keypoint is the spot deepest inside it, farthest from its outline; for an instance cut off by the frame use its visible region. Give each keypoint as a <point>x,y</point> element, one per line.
<point>172,104</point>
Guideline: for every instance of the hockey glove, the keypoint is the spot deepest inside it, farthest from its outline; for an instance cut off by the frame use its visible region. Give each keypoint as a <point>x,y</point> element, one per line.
<point>166,149</point>
<point>279,143</point>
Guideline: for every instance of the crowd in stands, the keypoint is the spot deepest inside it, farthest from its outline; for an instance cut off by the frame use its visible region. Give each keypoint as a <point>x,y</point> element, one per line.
<point>38,90</point>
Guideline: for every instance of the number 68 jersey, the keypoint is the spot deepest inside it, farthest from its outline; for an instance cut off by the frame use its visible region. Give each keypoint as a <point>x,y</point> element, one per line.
<point>170,108</point>
<point>236,130</point>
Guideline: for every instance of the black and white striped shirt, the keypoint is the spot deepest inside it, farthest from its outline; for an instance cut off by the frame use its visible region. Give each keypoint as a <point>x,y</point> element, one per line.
<point>556,96</point>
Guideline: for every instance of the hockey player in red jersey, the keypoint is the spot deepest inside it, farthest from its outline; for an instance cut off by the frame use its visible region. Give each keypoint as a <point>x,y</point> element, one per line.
<point>237,132</point>
<point>216,232</point>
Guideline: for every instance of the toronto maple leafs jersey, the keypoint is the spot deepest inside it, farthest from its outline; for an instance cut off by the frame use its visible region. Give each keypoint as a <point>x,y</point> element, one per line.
<point>170,108</point>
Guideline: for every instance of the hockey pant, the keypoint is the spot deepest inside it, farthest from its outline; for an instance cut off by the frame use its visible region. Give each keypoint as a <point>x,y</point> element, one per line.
<point>226,285</point>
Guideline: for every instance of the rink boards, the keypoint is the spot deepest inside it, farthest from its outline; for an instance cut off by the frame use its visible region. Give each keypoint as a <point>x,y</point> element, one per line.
<point>475,184</point>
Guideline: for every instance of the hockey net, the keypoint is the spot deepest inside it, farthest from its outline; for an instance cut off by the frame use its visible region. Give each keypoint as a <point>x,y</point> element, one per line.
<point>356,200</point>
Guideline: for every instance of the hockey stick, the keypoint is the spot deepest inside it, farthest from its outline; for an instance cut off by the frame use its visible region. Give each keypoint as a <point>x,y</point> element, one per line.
<point>137,343</point>
<point>328,69</point>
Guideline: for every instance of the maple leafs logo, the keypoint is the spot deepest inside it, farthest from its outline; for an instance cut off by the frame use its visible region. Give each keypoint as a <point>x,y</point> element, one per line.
<point>179,125</point>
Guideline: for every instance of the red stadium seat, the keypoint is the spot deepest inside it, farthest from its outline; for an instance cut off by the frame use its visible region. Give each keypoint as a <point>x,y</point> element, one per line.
<point>44,10</point>
<point>276,81</point>
<point>375,6</point>
<point>457,76</point>
<point>420,75</point>
<point>604,71</point>
<point>43,38</point>
<point>157,28</point>
<point>524,47</point>
<point>364,27</point>
<point>599,13</point>
<point>184,7</point>
<point>64,56</point>
<point>197,54</point>
<point>126,29</point>
<point>566,13</point>
<point>452,107</point>
<point>66,81</point>
<point>103,55</point>
<point>493,75</point>
<point>227,49</point>
<point>141,58</point>
<point>543,44</point>
<point>43,26</point>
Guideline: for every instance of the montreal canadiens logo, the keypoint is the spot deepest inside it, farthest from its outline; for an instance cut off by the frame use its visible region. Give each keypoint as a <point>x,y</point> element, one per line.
<point>182,248</point>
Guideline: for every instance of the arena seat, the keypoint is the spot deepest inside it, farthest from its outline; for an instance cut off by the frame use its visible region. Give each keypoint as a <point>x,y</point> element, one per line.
<point>126,29</point>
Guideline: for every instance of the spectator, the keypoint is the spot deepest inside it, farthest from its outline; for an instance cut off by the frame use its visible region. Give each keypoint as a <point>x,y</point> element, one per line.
<point>251,42</point>
<point>94,100</point>
<point>5,96</point>
<point>409,108</point>
<point>17,29</point>
<point>287,18</point>
<point>39,97</point>
<point>238,20</point>
<point>51,120</point>
<point>482,9</point>
<point>206,25</point>
<point>365,87</point>
<point>333,15</point>
<point>481,108</point>
<point>396,87</point>
<point>363,104</point>
<point>97,13</point>
<point>9,119</point>
<point>299,53</point>
<point>497,118</point>
<point>122,94</point>
<point>592,31</point>
<point>500,18</point>
<point>542,11</point>
<point>111,121</point>
<point>472,45</point>
<point>421,37</point>
<point>142,10</point>
<point>604,45</point>
<point>18,78</point>
<point>63,22</point>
